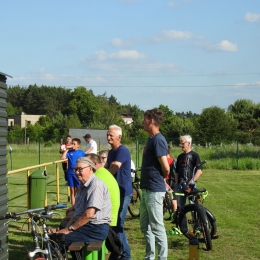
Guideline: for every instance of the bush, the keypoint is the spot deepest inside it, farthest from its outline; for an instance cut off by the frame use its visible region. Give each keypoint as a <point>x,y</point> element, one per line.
<point>48,144</point>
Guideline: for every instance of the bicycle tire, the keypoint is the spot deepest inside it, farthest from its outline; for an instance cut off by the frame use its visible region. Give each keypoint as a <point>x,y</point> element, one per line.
<point>167,208</point>
<point>55,251</point>
<point>134,205</point>
<point>204,222</point>
<point>186,224</point>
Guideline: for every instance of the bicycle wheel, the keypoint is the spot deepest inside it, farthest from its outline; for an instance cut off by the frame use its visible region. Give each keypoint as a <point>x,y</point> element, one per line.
<point>55,251</point>
<point>134,205</point>
<point>167,208</point>
<point>189,225</point>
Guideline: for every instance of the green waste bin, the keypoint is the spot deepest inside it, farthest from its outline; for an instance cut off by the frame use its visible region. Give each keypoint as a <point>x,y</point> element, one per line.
<point>37,188</point>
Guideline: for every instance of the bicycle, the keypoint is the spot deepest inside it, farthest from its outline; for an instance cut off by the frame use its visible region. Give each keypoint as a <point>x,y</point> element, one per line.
<point>44,247</point>
<point>134,205</point>
<point>194,220</point>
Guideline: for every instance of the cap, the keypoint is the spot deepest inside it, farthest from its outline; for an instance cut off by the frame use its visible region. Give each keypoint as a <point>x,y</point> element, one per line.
<point>87,161</point>
<point>87,136</point>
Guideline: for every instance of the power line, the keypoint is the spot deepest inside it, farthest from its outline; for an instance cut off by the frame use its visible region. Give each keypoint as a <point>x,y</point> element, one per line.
<point>149,86</point>
<point>140,76</point>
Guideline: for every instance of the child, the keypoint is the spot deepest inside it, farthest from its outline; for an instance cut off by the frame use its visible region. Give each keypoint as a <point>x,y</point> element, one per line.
<point>72,155</point>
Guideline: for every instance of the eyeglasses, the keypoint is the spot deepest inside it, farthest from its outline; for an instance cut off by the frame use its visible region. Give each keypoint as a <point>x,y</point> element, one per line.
<point>183,143</point>
<point>80,169</point>
<point>103,157</point>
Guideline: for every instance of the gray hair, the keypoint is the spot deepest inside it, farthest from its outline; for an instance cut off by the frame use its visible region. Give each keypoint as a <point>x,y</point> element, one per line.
<point>117,129</point>
<point>188,138</point>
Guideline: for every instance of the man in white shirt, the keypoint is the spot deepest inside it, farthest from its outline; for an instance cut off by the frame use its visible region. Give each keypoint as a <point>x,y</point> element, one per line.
<point>91,144</point>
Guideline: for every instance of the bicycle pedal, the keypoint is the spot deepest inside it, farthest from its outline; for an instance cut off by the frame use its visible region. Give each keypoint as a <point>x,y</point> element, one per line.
<point>215,237</point>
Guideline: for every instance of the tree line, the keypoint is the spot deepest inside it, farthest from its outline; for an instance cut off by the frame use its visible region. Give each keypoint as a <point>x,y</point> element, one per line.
<point>80,108</point>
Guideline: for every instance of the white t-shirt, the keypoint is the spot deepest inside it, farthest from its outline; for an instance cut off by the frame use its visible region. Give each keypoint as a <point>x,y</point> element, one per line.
<point>92,144</point>
<point>132,168</point>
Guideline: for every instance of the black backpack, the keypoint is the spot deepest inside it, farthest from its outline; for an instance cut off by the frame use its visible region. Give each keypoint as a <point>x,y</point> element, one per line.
<point>113,243</point>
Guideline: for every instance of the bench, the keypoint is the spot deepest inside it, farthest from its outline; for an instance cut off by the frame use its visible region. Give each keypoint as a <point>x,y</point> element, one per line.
<point>93,251</point>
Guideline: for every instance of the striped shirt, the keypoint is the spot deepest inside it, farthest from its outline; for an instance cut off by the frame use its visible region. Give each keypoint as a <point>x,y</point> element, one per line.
<point>93,194</point>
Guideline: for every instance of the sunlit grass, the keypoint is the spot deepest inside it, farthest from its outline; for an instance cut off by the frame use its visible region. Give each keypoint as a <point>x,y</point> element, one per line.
<point>232,199</point>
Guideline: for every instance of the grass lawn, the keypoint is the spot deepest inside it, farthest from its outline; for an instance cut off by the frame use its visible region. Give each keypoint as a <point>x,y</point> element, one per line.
<point>232,199</point>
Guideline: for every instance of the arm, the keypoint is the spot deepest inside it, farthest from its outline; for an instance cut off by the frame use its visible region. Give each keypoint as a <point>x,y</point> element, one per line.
<point>84,219</point>
<point>114,166</point>
<point>164,165</point>
<point>197,175</point>
<point>89,149</point>
<point>63,156</point>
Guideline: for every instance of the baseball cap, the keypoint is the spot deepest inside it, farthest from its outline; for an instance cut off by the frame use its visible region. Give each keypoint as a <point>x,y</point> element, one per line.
<point>87,136</point>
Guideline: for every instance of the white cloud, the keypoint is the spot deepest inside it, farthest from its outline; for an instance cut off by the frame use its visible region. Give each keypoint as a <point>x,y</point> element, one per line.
<point>167,35</point>
<point>101,55</point>
<point>129,54</point>
<point>252,17</point>
<point>127,61</point>
<point>224,45</point>
<point>122,55</point>
<point>116,42</point>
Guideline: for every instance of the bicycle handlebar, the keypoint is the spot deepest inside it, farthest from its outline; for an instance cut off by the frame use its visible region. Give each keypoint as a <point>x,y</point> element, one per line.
<point>46,209</point>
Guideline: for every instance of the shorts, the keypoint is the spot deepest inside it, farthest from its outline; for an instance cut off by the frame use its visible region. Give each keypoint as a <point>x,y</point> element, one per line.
<point>73,181</point>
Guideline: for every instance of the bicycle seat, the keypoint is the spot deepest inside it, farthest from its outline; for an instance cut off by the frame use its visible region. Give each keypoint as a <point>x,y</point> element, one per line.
<point>196,191</point>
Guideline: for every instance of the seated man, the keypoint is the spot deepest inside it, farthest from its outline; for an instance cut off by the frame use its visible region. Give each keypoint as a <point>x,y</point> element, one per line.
<point>92,208</point>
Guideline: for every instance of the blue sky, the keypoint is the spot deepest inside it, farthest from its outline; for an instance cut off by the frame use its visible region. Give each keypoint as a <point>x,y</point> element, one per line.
<point>186,54</point>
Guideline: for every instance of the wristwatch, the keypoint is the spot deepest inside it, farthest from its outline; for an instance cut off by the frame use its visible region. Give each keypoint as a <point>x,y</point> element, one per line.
<point>71,228</point>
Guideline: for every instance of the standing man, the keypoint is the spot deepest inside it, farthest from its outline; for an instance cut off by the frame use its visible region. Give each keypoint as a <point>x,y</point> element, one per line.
<point>154,169</point>
<point>186,162</point>
<point>119,164</point>
<point>63,147</point>
<point>91,144</point>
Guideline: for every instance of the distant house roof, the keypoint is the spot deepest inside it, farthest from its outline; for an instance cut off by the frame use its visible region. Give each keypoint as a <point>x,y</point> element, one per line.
<point>23,119</point>
<point>128,119</point>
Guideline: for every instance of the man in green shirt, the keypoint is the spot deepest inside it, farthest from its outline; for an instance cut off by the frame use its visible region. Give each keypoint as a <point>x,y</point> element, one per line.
<point>112,185</point>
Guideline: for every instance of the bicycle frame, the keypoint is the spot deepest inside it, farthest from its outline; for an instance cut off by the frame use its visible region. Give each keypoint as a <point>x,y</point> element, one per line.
<point>44,250</point>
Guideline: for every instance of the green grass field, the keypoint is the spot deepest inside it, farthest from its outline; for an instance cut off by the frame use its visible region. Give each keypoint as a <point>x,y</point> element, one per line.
<point>232,199</point>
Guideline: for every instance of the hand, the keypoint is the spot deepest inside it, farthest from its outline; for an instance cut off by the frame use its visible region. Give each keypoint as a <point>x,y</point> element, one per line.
<point>64,231</point>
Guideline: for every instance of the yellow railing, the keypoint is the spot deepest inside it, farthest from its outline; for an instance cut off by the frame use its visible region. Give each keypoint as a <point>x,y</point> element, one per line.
<point>27,169</point>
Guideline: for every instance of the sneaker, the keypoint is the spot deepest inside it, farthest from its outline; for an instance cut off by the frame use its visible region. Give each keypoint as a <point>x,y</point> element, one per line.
<point>176,231</point>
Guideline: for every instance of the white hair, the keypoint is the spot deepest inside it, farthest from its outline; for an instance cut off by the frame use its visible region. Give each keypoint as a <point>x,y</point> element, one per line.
<point>188,138</point>
<point>117,129</point>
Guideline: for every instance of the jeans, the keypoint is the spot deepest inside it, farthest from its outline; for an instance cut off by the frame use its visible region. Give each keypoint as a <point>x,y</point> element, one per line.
<point>181,201</point>
<point>152,225</point>
<point>119,229</point>
<point>87,233</point>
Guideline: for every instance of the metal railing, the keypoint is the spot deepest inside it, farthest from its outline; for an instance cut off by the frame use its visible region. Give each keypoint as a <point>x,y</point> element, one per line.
<point>27,169</point>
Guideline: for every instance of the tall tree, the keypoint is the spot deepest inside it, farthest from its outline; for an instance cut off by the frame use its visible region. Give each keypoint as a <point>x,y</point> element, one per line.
<point>84,104</point>
<point>215,126</point>
<point>247,114</point>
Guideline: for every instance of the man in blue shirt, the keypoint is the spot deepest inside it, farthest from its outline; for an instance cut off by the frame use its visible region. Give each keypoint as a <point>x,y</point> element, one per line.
<point>119,164</point>
<point>154,169</point>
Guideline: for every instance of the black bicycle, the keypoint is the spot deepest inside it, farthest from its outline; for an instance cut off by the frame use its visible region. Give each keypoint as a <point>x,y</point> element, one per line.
<point>134,205</point>
<point>194,220</point>
<point>44,247</point>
